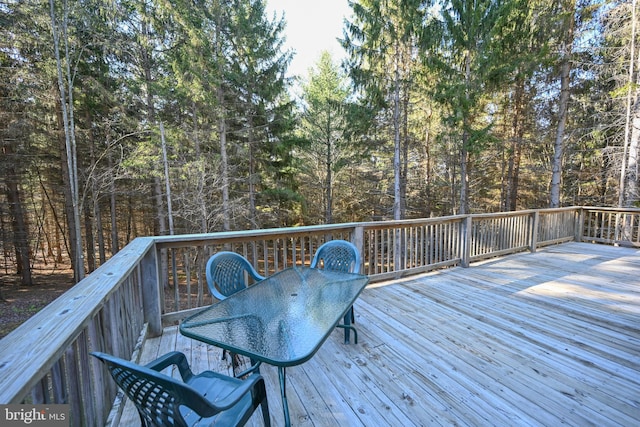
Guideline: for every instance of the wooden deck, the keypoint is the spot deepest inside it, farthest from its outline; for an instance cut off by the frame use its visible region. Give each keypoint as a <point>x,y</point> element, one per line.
<point>538,339</point>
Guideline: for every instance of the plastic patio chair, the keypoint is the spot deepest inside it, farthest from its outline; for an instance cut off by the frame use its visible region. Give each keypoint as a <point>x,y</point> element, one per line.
<point>339,255</point>
<point>226,274</point>
<point>205,399</point>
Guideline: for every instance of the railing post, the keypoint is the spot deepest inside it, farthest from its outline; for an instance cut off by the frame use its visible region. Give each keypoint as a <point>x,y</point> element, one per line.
<point>397,251</point>
<point>358,241</point>
<point>535,222</point>
<point>467,223</point>
<point>150,271</point>
<point>578,236</point>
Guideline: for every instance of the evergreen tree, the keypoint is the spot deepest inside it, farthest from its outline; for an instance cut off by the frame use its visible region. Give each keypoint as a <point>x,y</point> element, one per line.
<point>16,88</point>
<point>324,125</point>
<point>621,53</point>
<point>383,43</point>
<point>260,110</point>
<point>468,60</point>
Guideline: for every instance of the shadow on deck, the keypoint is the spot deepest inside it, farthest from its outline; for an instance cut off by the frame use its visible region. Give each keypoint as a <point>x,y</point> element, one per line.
<point>547,338</point>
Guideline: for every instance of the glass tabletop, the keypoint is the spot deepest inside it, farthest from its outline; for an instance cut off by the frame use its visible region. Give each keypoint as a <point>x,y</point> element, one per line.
<point>282,320</point>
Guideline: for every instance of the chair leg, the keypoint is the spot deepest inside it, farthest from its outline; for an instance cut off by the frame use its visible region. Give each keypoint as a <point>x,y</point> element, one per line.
<point>266,418</point>
<point>260,392</point>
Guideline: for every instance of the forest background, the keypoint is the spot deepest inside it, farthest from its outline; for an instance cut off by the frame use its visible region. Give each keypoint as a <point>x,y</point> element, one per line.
<point>125,118</point>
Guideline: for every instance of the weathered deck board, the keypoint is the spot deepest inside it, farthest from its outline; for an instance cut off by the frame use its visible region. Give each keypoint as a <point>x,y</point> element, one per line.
<point>530,340</point>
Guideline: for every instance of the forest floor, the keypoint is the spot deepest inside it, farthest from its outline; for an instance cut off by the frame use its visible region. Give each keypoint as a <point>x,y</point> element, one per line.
<point>18,303</point>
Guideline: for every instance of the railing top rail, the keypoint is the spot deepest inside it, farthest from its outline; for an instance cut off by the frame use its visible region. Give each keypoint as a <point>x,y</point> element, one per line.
<point>610,209</point>
<point>29,351</point>
<point>247,235</point>
<point>251,235</point>
<point>525,212</point>
<point>405,222</point>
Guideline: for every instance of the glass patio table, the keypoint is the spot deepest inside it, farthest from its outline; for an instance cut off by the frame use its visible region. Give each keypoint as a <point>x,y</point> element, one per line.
<point>282,320</point>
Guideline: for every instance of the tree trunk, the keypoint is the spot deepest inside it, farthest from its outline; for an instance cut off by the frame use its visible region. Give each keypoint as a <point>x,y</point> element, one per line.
<point>97,213</point>
<point>563,105</point>
<point>66,121</point>
<point>224,165</point>
<point>404,174</point>
<point>513,173</point>
<point>68,203</point>
<point>165,163</point>
<point>89,208</point>
<point>253,211</point>
<point>202,202</point>
<point>628,193</point>
<point>397,175</point>
<point>464,176</point>
<point>397,193</point>
<point>88,231</point>
<point>115,245</point>
<point>147,67</point>
<point>222,124</point>
<point>464,153</point>
<point>631,194</point>
<point>19,226</point>
<point>328,184</point>
<point>157,196</point>
<point>426,167</point>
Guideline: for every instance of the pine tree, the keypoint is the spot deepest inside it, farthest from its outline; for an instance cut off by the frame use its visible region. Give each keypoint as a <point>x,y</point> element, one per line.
<point>259,113</point>
<point>324,125</point>
<point>467,62</point>
<point>382,42</point>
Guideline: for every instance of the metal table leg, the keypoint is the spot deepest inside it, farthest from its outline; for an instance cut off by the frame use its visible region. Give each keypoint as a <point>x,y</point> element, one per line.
<point>348,327</point>
<point>283,390</point>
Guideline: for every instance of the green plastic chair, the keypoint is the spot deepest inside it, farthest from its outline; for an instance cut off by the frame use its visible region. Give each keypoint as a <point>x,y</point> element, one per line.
<point>226,274</point>
<point>208,398</point>
<point>340,255</point>
<point>337,255</point>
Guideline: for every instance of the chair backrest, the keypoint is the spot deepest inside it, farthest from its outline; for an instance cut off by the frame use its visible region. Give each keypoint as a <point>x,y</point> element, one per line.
<point>226,274</point>
<point>337,255</point>
<point>157,397</point>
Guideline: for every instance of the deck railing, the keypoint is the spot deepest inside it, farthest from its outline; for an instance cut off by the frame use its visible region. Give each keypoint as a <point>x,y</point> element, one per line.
<point>157,280</point>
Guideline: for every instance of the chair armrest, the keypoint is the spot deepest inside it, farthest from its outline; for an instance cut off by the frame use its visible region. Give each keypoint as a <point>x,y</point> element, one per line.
<point>257,276</point>
<point>172,358</point>
<point>251,369</point>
